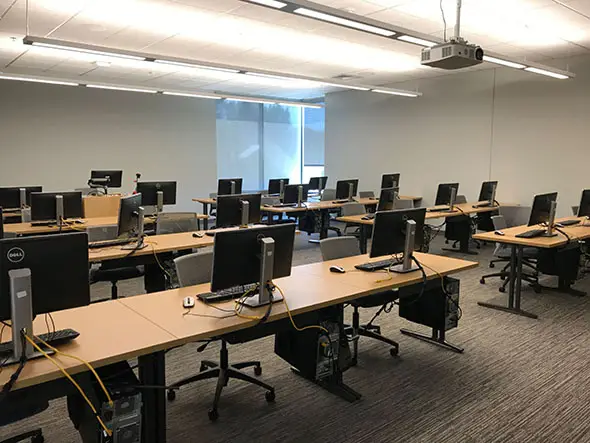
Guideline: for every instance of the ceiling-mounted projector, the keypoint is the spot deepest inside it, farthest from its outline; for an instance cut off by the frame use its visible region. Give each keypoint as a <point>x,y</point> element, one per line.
<point>454,54</point>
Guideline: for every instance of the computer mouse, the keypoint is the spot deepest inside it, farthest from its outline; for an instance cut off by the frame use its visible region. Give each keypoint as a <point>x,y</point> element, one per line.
<point>365,218</point>
<point>188,302</point>
<point>499,232</point>
<point>338,269</point>
<point>198,234</point>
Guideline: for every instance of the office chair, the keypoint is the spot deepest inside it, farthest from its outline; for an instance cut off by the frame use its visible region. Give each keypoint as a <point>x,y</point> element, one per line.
<point>504,254</point>
<point>403,203</point>
<point>575,210</point>
<point>213,206</point>
<point>366,194</point>
<point>348,209</point>
<point>173,222</point>
<point>195,269</point>
<point>111,271</point>
<point>328,195</point>
<point>459,200</point>
<point>19,407</point>
<point>341,247</point>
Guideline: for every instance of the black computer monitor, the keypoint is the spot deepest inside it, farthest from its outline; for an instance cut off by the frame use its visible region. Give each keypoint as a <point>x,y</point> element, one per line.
<point>59,271</point>
<point>541,210</point>
<point>318,183</point>
<point>389,231</point>
<point>343,188</point>
<point>291,194</point>
<point>44,205</point>
<point>10,197</point>
<point>443,194</point>
<point>488,191</point>
<point>387,199</point>
<point>1,224</point>
<point>237,255</point>
<point>390,181</point>
<point>129,216</point>
<point>584,209</point>
<point>107,179</point>
<point>224,186</point>
<point>274,185</point>
<point>229,210</point>
<point>149,192</point>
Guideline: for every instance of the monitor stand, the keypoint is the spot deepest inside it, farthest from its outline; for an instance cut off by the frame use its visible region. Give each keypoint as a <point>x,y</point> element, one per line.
<point>21,315</point>
<point>265,295</point>
<point>139,244</point>
<point>407,265</point>
<point>551,223</point>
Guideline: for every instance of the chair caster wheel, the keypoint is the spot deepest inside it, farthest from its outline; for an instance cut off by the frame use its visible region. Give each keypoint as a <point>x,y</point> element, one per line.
<point>492,265</point>
<point>502,278</point>
<point>213,414</point>
<point>270,396</point>
<point>394,352</point>
<point>502,290</point>
<point>203,367</point>
<point>38,439</point>
<point>171,395</point>
<point>482,281</point>
<point>257,370</point>
<point>537,289</point>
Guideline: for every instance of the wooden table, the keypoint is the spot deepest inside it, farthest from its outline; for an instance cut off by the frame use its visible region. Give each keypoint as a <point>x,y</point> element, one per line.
<point>461,210</point>
<point>145,325</point>
<point>309,206</point>
<point>517,245</point>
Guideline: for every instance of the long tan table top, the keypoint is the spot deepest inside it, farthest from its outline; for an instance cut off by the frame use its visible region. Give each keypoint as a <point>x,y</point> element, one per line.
<point>126,328</point>
<point>575,233</point>
<point>321,205</point>
<point>462,209</point>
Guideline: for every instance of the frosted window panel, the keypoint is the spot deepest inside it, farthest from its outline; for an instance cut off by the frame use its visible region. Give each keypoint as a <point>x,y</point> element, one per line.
<point>313,139</point>
<point>282,142</point>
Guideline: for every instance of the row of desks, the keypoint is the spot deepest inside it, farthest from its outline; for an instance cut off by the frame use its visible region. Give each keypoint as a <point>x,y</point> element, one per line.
<point>144,326</point>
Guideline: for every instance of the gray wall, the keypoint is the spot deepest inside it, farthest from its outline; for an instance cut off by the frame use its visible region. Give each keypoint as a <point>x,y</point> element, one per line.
<point>529,132</point>
<point>54,135</point>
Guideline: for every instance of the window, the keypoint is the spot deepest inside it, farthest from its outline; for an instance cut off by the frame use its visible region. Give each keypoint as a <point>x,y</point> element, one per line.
<point>263,141</point>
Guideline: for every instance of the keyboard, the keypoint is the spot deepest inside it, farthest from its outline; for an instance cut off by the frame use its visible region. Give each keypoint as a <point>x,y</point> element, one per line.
<point>439,209</point>
<point>342,201</point>
<point>368,217</point>
<point>377,265</point>
<point>481,205</point>
<point>44,223</point>
<point>54,339</point>
<point>284,205</point>
<point>531,234</point>
<point>108,243</point>
<point>226,294</point>
<point>569,222</point>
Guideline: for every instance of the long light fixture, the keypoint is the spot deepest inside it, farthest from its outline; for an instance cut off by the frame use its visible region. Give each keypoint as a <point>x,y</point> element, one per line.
<point>303,105</point>
<point>82,50</point>
<point>251,100</point>
<point>319,82</point>
<point>416,40</point>
<point>394,92</point>
<point>38,80</point>
<point>194,65</point>
<point>120,88</point>
<point>272,3</point>
<point>547,73</point>
<point>499,61</point>
<point>343,21</point>
<point>188,94</point>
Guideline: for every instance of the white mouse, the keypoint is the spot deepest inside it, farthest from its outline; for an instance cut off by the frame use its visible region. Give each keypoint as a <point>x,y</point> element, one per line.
<point>499,232</point>
<point>188,302</point>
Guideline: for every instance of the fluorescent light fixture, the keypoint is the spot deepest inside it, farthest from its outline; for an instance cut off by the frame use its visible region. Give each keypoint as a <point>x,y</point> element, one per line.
<point>302,105</point>
<point>37,80</point>
<point>102,63</point>
<point>252,100</point>
<point>416,40</point>
<point>343,21</point>
<point>403,94</point>
<point>191,65</point>
<point>338,85</point>
<point>277,77</point>
<point>119,88</point>
<point>84,50</point>
<point>271,3</point>
<point>188,94</point>
<point>499,61</point>
<point>547,73</point>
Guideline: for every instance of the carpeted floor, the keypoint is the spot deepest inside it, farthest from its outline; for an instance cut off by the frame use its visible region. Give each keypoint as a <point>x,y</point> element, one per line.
<point>519,380</point>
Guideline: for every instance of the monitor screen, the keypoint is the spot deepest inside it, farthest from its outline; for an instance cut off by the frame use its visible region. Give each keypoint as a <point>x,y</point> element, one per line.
<point>274,185</point>
<point>542,208</point>
<point>224,186</point>
<point>149,192</point>
<point>488,189</point>
<point>343,188</point>
<point>443,194</point>
<point>584,209</point>
<point>43,205</point>
<point>10,197</point>
<point>291,194</point>
<point>318,183</point>
<point>389,231</point>
<point>110,179</point>
<point>229,209</point>
<point>390,181</point>
<point>387,199</point>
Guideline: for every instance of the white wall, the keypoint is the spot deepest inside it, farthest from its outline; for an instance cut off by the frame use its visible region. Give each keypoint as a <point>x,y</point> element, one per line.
<point>529,132</point>
<point>54,135</point>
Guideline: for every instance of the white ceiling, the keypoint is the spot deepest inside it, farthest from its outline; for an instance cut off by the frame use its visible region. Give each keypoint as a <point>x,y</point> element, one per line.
<point>236,33</point>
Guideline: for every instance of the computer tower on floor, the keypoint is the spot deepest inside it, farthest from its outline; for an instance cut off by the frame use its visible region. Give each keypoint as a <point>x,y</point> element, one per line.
<point>316,354</point>
<point>433,307</point>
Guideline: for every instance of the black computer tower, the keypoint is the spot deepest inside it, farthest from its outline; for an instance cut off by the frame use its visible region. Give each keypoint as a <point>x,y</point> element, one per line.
<point>433,307</point>
<point>311,352</point>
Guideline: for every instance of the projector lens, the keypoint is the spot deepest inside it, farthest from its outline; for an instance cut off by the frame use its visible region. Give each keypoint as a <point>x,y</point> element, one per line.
<point>479,54</point>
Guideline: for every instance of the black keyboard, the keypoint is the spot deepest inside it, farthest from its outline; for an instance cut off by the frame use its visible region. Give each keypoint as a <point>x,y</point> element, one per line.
<point>441,209</point>
<point>108,243</point>
<point>55,339</point>
<point>284,205</point>
<point>569,222</point>
<point>44,223</point>
<point>226,294</point>
<point>531,234</point>
<point>377,265</point>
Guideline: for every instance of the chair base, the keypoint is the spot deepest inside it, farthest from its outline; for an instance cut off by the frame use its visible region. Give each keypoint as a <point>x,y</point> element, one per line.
<point>224,372</point>
<point>371,331</point>
<point>35,436</point>
<point>437,338</point>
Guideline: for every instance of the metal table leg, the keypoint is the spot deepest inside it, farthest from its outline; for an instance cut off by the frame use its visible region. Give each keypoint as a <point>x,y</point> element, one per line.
<point>514,296</point>
<point>363,238</point>
<point>152,373</point>
<point>206,212</point>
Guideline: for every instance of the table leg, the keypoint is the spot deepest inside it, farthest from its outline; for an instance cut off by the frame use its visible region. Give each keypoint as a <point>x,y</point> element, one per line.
<point>565,286</point>
<point>206,212</point>
<point>514,296</point>
<point>363,238</point>
<point>437,338</point>
<point>154,278</point>
<point>324,217</point>
<point>153,420</point>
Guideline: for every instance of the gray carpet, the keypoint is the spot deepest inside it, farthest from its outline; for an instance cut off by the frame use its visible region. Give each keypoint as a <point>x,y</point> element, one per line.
<point>519,380</point>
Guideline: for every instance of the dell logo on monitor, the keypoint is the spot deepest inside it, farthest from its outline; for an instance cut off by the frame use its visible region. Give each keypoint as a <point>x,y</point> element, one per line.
<point>15,255</point>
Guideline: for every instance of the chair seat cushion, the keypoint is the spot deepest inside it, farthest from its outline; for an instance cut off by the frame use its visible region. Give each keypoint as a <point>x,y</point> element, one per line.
<point>19,407</point>
<point>374,300</point>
